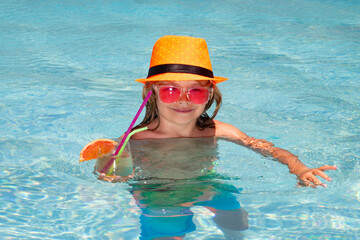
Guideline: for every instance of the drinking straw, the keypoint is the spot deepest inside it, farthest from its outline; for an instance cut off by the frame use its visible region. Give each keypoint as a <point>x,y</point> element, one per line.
<point>127,133</point>
<point>128,138</point>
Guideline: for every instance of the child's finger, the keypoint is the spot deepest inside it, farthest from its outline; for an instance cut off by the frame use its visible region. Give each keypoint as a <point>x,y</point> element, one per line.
<point>317,182</point>
<point>327,167</point>
<point>306,183</point>
<point>303,183</point>
<point>322,174</point>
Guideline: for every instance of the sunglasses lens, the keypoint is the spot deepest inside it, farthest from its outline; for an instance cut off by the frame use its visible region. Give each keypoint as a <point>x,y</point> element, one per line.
<point>169,94</point>
<point>199,95</point>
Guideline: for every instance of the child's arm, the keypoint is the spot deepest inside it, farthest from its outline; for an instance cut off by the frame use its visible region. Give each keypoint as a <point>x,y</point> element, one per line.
<point>306,175</point>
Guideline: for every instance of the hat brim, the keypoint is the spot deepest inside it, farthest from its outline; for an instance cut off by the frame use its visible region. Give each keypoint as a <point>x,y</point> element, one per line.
<point>180,77</point>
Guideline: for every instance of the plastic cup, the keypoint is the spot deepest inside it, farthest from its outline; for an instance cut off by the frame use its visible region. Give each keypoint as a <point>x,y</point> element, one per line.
<point>121,166</point>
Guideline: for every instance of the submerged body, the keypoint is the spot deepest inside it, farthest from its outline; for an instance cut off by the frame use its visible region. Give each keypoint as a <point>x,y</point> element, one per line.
<point>173,159</point>
<point>176,174</point>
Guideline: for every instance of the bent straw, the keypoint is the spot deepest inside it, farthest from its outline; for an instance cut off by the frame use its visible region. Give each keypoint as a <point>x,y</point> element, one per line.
<point>128,138</point>
<point>127,133</point>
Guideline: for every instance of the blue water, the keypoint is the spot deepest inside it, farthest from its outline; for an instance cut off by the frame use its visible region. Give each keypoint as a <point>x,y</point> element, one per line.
<point>67,71</point>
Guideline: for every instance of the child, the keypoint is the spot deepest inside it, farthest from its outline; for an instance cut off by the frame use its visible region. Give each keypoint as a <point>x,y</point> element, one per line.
<point>171,181</point>
<point>184,88</point>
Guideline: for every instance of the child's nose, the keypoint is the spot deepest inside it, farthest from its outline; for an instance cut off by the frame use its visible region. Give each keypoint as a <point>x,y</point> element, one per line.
<point>183,97</point>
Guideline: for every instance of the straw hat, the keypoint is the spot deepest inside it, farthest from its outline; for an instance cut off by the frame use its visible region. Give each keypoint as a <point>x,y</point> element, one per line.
<point>179,58</point>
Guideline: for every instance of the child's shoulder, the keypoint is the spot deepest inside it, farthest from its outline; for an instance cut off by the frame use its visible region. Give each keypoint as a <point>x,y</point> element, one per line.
<point>229,131</point>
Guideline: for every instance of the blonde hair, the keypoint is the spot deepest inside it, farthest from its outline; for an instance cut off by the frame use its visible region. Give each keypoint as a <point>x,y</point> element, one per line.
<point>202,122</point>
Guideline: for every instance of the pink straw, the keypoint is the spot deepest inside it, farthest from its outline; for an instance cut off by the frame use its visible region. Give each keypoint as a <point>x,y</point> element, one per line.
<point>127,133</point>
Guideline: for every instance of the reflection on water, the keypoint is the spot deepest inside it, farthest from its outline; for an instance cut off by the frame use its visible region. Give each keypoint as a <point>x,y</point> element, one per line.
<point>173,175</point>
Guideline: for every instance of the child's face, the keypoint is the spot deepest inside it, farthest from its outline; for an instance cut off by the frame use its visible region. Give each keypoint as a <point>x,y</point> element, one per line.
<point>187,108</point>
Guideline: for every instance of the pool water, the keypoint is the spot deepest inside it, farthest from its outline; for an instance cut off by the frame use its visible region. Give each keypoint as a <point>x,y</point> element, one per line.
<point>67,71</point>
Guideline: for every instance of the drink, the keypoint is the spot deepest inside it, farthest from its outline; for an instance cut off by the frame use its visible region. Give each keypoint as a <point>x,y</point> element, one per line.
<point>121,166</point>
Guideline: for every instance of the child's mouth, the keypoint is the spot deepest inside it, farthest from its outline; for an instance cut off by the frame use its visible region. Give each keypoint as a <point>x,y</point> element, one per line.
<point>183,110</point>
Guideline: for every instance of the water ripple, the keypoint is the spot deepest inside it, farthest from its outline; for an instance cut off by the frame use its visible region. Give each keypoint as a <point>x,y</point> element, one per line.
<point>31,199</point>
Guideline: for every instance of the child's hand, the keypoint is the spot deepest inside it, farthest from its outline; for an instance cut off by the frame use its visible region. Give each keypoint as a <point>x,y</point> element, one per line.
<point>114,178</point>
<point>308,177</point>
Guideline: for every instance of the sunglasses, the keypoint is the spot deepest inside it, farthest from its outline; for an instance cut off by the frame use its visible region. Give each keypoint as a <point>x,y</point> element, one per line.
<point>171,94</point>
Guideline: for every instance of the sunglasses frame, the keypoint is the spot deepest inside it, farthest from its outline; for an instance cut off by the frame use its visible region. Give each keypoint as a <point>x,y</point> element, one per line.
<point>185,90</point>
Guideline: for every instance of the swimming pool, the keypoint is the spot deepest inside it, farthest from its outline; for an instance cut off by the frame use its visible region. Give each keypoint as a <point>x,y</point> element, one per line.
<point>67,73</point>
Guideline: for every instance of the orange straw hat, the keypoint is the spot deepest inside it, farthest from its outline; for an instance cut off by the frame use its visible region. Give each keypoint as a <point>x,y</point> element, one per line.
<point>179,58</point>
